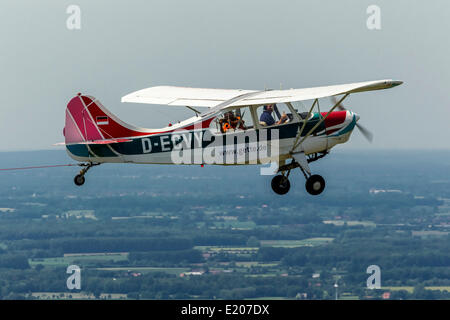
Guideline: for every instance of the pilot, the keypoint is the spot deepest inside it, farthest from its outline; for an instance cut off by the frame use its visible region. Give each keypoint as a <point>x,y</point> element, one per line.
<point>266,118</point>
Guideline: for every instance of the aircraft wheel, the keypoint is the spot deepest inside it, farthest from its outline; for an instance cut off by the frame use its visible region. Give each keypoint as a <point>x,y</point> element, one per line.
<point>315,184</point>
<point>79,180</point>
<point>280,184</point>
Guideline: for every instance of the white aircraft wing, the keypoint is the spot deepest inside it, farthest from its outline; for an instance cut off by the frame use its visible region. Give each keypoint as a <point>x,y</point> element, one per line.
<point>291,95</point>
<point>183,96</point>
<point>219,99</point>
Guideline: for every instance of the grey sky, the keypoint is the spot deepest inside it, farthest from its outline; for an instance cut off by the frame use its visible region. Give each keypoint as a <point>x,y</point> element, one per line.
<point>125,46</point>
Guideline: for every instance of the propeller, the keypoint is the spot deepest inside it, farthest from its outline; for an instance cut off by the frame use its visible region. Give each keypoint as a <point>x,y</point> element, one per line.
<point>364,131</point>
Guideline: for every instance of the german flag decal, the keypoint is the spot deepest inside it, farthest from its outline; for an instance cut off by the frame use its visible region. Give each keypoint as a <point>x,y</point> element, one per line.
<point>102,120</point>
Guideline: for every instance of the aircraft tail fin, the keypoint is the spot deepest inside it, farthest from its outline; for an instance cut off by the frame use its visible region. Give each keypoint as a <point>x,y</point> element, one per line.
<point>88,121</point>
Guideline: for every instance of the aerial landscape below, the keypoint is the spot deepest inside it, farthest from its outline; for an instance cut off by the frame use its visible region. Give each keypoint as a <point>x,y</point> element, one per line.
<point>192,232</point>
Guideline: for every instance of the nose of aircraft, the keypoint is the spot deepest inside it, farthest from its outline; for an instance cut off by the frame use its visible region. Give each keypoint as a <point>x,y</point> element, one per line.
<point>366,133</point>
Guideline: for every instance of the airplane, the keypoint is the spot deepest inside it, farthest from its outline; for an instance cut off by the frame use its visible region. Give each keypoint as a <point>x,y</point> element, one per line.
<point>236,127</point>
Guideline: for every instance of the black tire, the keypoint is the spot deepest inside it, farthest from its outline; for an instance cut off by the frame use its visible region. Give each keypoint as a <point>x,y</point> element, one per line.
<point>79,180</point>
<point>280,185</point>
<point>315,185</point>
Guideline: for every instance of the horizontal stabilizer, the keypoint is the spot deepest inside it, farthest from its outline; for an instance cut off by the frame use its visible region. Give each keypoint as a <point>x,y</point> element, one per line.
<point>105,141</point>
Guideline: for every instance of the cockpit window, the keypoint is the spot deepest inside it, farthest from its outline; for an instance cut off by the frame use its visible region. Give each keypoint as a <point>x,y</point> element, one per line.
<point>301,109</point>
<point>274,114</point>
<point>303,115</point>
<point>233,120</point>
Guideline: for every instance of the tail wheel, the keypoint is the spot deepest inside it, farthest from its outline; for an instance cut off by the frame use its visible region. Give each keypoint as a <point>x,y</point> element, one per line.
<point>280,184</point>
<point>315,184</point>
<point>79,180</point>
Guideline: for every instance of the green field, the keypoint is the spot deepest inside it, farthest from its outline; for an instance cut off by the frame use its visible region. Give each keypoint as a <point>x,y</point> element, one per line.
<point>76,295</point>
<point>262,275</point>
<point>440,288</point>
<point>296,243</point>
<point>405,288</point>
<point>175,271</point>
<point>235,225</point>
<point>348,297</point>
<point>350,223</point>
<point>88,258</point>
<point>249,264</point>
<point>410,289</point>
<point>226,249</point>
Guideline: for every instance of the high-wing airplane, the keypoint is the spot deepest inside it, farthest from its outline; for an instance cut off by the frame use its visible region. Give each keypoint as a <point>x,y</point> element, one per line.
<point>238,127</point>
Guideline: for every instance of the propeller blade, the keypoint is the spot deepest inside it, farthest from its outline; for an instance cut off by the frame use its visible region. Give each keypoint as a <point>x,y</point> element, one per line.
<point>366,133</point>
<point>340,106</point>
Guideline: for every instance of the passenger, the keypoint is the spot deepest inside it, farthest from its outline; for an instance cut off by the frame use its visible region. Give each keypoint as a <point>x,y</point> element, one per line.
<point>266,118</point>
<point>238,122</point>
<point>230,121</point>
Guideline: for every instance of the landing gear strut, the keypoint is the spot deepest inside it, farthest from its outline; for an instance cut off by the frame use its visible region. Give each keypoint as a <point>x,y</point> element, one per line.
<point>79,178</point>
<point>315,184</point>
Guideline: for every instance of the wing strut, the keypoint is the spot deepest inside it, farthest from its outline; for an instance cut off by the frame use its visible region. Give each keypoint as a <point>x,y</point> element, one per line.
<point>304,124</point>
<point>195,110</point>
<point>297,142</point>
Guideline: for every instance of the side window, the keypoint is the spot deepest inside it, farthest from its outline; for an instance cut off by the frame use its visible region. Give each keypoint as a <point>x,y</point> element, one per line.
<point>233,120</point>
<point>301,108</point>
<point>274,114</point>
<point>246,116</point>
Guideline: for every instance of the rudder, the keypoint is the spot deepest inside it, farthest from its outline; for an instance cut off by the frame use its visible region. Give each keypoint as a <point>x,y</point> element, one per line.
<point>88,120</point>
